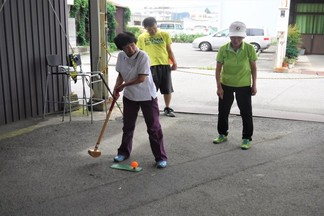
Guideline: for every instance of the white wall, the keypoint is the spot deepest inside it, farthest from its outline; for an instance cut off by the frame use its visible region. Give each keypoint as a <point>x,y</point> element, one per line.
<point>70,2</point>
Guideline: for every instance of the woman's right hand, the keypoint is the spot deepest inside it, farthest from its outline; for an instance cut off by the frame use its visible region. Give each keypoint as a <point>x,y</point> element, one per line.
<point>116,94</point>
<point>220,92</point>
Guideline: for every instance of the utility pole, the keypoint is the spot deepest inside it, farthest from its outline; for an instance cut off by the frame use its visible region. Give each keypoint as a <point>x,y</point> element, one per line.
<point>103,31</point>
<point>282,32</point>
<point>98,56</point>
<point>103,43</point>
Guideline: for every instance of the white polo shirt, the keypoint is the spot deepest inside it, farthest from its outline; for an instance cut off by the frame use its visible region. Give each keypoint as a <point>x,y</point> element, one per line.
<point>129,68</point>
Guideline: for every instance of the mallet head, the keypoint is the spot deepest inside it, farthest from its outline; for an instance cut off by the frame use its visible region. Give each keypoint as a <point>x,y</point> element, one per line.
<point>94,153</point>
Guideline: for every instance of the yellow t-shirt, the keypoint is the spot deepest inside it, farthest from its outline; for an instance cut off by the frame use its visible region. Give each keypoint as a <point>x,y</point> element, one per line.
<point>155,46</point>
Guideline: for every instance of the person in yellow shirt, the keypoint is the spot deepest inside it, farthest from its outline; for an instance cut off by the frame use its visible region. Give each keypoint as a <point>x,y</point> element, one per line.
<point>157,44</point>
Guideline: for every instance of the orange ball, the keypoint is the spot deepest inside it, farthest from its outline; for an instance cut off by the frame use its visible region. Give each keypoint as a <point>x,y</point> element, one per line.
<point>134,164</point>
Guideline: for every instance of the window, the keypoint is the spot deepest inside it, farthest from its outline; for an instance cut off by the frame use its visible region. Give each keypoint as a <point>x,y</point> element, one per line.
<point>167,26</point>
<point>178,26</point>
<point>310,18</point>
<point>255,32</point>
<point>223,33</point>
<point>170,26</point>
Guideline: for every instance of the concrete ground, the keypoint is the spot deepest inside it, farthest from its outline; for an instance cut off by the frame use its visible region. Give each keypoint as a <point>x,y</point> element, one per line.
<point>45,168</point>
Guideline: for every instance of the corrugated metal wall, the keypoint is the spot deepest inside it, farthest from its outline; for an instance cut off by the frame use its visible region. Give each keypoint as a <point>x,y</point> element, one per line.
<point>29,30</point>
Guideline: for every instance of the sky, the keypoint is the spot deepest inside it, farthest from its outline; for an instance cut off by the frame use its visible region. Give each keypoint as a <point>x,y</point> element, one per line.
<point>254,13</point>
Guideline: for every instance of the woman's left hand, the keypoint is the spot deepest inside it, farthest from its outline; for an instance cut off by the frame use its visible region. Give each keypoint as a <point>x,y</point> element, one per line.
<point>253,90</point>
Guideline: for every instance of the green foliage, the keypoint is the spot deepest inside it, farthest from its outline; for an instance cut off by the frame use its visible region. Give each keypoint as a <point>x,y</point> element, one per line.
<point>135,30</point>
<point>184,38</point>
<point>112,47</point>
<point>127,15</point>
<point>73,11</point>
<point>293,42</point>
<point>80,11</point>
<point>112,23</point>
<point>291,52</point>
<point>289,60</point>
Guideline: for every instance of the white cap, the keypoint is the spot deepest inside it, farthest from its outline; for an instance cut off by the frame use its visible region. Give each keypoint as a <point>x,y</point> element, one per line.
<point>237,29</point>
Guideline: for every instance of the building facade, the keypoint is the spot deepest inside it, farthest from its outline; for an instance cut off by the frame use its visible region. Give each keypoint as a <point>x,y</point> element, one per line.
<point>308,15</point>
<point>30,30</point>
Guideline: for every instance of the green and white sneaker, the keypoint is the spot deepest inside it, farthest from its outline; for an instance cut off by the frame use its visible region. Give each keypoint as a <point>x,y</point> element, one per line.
<point>246,144</point>
<point>221,138</point>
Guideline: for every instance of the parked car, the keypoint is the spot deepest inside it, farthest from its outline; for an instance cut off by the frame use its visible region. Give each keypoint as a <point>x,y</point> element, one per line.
<point>258,37</point>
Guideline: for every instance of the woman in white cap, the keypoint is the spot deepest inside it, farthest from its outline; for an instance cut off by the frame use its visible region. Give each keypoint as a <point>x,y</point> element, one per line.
<point>236,72</point>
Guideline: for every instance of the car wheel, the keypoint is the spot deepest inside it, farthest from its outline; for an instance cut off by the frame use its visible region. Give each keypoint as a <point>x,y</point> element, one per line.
<point>205,46</point>
<point>256,47</point>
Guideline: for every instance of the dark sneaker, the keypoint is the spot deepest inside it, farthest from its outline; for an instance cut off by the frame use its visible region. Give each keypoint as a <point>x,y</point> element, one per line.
<point>169,112</point>
<point>161,164</point>
<point>221,138</point>
<point>119,158</point>
<point>246,144</point>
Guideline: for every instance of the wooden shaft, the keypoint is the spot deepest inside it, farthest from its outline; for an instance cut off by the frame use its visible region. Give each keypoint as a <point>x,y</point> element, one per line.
<point>105,123</point>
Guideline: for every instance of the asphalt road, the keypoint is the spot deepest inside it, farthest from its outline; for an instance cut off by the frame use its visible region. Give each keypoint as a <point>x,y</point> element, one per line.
<point>45,170</point>
<point>280,95</point>
<point>188,57</point>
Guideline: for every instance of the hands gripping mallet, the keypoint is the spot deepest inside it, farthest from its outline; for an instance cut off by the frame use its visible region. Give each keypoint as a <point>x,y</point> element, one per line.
<point>106,84</point>
<point>96,152</point>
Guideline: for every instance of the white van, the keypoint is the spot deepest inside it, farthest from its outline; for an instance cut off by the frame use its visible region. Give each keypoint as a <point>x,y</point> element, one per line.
<point>258,37</point>
<point>173,28</point>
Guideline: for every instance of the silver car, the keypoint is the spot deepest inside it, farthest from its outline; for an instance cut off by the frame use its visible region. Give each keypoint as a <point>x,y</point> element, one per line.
<point>258,37</point>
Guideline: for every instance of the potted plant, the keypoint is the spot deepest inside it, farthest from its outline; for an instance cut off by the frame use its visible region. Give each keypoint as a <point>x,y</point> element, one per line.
<point>291,62</point>
<point>302,51</point>
<point>285,62</point>
<point>293,44</point>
